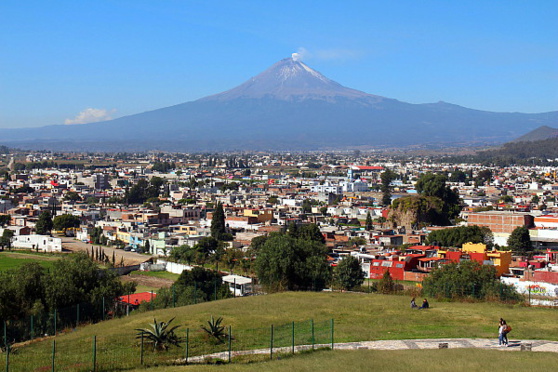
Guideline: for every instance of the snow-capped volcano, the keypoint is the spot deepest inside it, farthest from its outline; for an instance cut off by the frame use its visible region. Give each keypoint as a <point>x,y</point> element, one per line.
<point>289,106</point>
<point>290,79</point>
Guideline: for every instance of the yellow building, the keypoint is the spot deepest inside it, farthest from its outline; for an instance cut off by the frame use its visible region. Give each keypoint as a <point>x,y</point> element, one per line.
<point>478,252</point>
<point>263,215</point>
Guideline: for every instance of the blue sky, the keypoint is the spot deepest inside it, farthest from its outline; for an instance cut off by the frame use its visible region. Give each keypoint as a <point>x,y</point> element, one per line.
<point>72,61</point>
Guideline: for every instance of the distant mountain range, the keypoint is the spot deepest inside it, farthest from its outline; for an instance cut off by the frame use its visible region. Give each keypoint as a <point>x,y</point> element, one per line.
<point>541,133</point>
<point>289,106</point>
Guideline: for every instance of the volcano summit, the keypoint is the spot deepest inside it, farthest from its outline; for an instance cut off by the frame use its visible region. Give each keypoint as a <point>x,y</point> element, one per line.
<point>289,106</point>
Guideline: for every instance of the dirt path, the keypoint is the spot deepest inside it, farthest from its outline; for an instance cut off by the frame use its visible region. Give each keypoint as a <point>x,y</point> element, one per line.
<point>130,258</point>
<point>450,343</point>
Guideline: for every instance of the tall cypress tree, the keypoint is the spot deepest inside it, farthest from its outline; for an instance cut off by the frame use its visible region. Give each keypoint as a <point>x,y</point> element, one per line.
<point>369,225</point>
<point>44,223</point>
<point>218,222</point>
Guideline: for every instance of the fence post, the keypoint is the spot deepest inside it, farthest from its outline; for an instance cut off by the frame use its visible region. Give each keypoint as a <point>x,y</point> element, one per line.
<point>55,316</point>
<point>230,342</point>
<point>5,334</point>
<point>215,289</point>
<point>53,354</point>
<point>94,353</point>
<point>293,337</point>
<point>151,301</point>
<point>332,344</point>
<point>187,343</point>
<point>195,292</point>
<point>141,349</point>
<point>173,297</point>
<point>234,292</point>
<point>77,316</point>
<point>7,358</point>
<point>271,344</point>
<point>312,326</point>
<point>103,310</point>
<point>32,324</point>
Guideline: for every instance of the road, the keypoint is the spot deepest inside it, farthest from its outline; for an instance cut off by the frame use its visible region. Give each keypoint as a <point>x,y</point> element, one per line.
<point>130,258</point>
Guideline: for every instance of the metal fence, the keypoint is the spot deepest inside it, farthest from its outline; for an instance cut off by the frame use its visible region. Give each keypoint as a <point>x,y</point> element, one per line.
<point>98,353</point>
<point>43,323</point>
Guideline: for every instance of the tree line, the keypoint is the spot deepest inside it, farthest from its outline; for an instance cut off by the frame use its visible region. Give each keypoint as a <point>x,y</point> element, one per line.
<point>34,290</point>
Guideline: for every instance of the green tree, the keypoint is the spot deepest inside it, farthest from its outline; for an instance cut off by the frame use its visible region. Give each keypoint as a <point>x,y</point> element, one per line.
<point>386,177</point>
<point>65,221</point>
<point>520,240</point>
<point>192,286</point>
<point>467,279</point>
<point>482,177</point>
<point>457,236</point>
<point>76,279</point>
<point>287,263</point>
<point>369,225</point>
<point>6,239</point>
<point>458,176</point>
<point>434,185</point>
<point>218,228</point>
<point>386,285</point>
<point>5,219</point>
<point>311,232</point>
<point>44,223</point>
<point>72,196</point>
<point>306,206</point>
<point>348,273</point>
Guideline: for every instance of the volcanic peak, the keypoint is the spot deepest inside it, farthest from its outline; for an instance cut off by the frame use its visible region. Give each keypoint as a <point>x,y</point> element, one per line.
<point>290,79</point>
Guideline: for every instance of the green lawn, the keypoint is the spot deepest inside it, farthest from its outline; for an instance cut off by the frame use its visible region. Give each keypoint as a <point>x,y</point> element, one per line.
<point>458,360</point>
<point>156,274</point>
<point>357,317</point>
<point>13,259</point>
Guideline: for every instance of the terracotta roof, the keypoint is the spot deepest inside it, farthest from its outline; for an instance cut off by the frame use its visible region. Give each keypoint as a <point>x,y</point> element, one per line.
<point>137,298</point>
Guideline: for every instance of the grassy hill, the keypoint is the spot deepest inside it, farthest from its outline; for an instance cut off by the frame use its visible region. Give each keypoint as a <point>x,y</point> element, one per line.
<point>357,317</point>
<point>13,260</point>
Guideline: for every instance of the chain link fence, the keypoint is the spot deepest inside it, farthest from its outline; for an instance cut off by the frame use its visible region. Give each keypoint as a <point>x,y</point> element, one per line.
<point>98,353</point>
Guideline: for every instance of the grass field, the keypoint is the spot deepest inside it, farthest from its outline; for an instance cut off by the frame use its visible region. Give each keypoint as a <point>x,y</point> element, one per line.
<point>13,260</point>
<point>357,317</point>
<point>156,274</point>
<point>458,360</point>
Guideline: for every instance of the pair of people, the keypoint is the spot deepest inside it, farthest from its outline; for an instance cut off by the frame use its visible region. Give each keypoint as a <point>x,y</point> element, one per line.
<point>503,330</point>
<point>425,304</point>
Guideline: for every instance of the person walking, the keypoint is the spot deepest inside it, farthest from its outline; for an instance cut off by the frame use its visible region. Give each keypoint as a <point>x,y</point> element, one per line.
<point>502,333</point>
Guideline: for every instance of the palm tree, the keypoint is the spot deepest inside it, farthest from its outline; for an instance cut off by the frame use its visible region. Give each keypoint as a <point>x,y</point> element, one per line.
<point>161,335</point>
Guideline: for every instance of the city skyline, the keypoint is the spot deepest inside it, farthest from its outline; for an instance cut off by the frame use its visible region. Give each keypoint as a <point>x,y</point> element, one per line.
<point>73,63</point>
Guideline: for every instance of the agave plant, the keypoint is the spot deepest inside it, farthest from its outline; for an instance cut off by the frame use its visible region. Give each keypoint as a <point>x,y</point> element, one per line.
<point>215,329</point>
<point>161,335</point>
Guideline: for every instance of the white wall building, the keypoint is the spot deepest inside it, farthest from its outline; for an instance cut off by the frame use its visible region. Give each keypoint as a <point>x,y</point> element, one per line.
<point>43,243</point>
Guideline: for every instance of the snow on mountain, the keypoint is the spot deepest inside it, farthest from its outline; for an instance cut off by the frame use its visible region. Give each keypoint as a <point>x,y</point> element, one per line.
<point>290,79</point>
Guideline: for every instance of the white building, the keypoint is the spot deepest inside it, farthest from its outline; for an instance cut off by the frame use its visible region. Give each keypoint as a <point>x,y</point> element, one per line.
<point>43,243</point>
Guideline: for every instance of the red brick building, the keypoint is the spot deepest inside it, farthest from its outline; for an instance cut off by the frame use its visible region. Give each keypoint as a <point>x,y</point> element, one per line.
<point>501,221</point>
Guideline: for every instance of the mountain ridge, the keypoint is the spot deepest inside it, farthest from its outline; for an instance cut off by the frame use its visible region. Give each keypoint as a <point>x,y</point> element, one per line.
<point>287,106</point>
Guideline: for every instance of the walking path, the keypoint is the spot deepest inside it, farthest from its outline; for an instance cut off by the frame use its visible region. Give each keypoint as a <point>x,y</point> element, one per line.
<point>452,343</point>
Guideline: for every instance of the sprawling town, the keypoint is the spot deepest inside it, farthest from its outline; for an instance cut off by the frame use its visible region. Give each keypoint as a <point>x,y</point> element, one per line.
<point>150,207</point>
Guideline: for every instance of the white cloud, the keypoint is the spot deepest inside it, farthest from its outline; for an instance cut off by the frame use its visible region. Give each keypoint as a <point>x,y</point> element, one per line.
<point>91,115</point>
<point>300,54</point>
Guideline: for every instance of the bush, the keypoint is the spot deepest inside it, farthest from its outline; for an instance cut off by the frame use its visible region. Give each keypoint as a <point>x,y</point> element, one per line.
<point>468,279</point>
